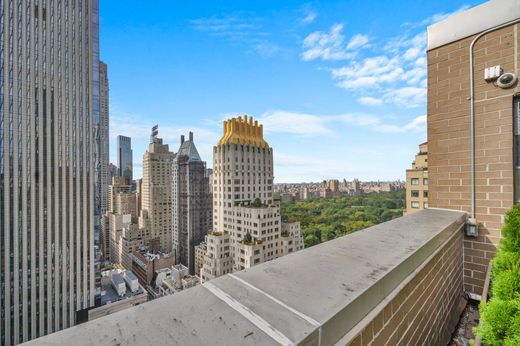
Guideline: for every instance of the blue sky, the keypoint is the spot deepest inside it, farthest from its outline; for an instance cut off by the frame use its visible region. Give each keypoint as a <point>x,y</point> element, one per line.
<point>340,86</point>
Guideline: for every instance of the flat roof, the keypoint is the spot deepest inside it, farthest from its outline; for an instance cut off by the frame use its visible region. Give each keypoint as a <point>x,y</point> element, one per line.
<point>282,297</point>
<point>129,275</point>
<point>472,21</point>
<point>117,279</point>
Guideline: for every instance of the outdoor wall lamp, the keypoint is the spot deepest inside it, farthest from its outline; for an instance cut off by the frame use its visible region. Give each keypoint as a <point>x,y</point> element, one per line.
<point>471,229</point>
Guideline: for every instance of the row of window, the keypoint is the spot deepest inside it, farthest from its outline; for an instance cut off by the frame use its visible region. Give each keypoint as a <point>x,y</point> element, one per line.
<point>416,205</point>
<point>416,181</point>
<point>415,193</point>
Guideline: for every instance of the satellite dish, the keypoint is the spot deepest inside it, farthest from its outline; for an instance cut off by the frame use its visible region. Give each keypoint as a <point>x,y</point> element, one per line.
<point>506,80</point>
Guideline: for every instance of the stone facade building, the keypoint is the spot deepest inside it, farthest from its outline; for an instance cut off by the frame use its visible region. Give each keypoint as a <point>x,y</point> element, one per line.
<point>156,195</point>
<point>417,181</point>
<point>218,259</point>
<point>473,160</point>
<point>200,252</point>
<point>246,223</point>
<point>192,202</point>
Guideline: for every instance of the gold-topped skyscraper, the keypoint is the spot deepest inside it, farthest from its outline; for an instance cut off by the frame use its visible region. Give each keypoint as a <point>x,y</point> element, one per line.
<point>247,227</point>
<point>243,131</point>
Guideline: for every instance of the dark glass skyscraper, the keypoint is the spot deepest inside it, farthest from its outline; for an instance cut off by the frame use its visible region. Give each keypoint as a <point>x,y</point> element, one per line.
<point>124,157</point>
<point>192,202</point>
<point>49,115</point>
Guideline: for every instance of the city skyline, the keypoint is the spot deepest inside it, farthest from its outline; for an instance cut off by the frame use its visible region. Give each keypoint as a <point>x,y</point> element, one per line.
<point>236,59</point>
<point>322,243</point>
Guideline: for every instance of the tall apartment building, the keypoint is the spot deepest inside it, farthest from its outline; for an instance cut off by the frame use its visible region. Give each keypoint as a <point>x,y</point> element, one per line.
<point>118,185</point>
<point>156,195</point>
<point>355,187</point>
<point>192,202</point>
<point>473,117</point>
<point>123,236</point>
<point>246,222</point>
<point>124,157</point>
<point>104,160</point>
<point>48,116</point>
<point>417,181</point>
<point>332,185</point>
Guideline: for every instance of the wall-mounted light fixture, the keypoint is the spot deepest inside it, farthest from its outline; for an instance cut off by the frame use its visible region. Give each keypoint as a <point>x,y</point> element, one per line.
<point>471,229</point>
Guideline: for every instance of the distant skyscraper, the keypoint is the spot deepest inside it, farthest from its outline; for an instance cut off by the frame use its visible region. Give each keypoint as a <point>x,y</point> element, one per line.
<point>156,195</point>
<point>49,115</point>
<point>113,171</point>
<point>192,206</point>
<point>104,161</point>
<point>124,157</point>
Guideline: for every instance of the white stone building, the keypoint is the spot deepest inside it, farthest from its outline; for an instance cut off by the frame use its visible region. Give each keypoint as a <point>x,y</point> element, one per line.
<point>246,221</point>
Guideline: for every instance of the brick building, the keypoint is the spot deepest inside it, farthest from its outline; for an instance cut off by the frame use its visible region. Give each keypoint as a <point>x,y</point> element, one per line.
<point>417,181</point>
<point>476,178</point>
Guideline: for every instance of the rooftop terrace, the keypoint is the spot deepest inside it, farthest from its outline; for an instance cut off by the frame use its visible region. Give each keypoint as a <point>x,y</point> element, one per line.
<point>400,280</point>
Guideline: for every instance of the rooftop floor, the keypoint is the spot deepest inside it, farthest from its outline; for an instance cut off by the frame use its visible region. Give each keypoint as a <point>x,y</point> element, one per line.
<point>314,296</point>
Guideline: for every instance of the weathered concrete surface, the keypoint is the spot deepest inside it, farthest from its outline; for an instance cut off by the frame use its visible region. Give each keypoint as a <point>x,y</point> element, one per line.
<point>330,287</point>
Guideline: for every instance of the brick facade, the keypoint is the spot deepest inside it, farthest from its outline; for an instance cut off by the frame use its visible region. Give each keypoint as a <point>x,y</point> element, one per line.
<point>425,311</point>
<point>449,139</point>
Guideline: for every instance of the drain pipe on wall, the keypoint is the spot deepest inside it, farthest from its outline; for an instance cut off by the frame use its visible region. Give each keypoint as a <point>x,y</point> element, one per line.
<point>472,227</point>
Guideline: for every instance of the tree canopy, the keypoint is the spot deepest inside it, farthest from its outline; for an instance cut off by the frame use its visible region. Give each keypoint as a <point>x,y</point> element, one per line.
<point>325,219</point>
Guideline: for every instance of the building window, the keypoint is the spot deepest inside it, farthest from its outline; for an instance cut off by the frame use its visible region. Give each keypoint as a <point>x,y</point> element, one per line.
<point>425,205</point>
<point>425,194</point>
<point>415,181</point>
<point>425,181</point>
<point>415,193</point>
<point>415,205</point>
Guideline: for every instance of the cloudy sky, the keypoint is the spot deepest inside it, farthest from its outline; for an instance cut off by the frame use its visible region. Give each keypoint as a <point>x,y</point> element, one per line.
<point>340,86</point>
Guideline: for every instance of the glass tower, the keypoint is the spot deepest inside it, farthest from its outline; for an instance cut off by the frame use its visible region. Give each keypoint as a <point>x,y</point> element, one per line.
<point>124,157</point>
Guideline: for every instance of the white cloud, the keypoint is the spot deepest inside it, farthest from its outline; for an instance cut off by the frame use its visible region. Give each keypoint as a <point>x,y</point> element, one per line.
<point>309,17</point>
<point>327,46</point>
<point>231,25</point>
<point>372,71</point>
<point>411,53</point>
<point>395,74</point>
<point>239,28</point>
<point>304,124</point>
<point>377,125</point>
<point>331,45</point>
<point>294,123</point>
<point>370,101</point>
<point>356,163</point>
<point>266,49</point>
<point>357,41</point>
<point>398,77</point>
<point>437,17</point>
<point>406,97</point>
<point>418,124</point>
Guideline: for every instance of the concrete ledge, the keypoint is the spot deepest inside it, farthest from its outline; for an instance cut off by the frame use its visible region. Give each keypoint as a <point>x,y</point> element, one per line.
<point>314,296</point>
